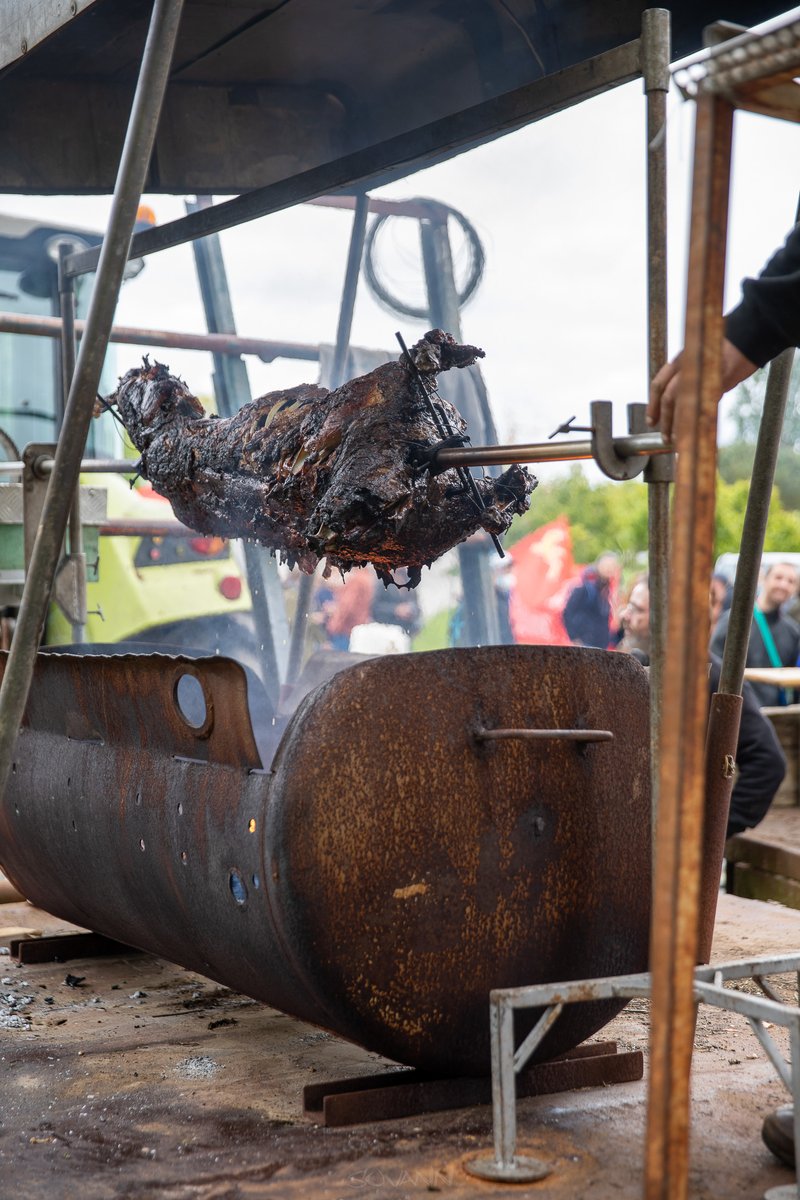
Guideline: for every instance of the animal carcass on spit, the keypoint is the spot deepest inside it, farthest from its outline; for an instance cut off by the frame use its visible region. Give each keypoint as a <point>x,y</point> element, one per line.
<point>316,474</point>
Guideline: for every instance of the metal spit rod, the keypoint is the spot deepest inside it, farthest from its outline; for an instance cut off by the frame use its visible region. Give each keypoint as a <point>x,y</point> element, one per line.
<point>468,456</point>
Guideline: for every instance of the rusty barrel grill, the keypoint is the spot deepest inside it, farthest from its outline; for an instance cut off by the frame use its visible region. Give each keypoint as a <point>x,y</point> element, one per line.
<point>414,843</point>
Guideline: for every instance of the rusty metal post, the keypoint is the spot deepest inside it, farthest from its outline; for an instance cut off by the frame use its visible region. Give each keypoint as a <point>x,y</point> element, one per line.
<point>659,472</point>
<point>136,152</point>
<point>679,831</point>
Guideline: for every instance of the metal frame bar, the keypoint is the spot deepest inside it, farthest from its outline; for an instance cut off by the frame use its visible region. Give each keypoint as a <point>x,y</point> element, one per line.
<point>656,46</point>
<point>679,827</point>
<point>707,988</point>
<point>136,152</point>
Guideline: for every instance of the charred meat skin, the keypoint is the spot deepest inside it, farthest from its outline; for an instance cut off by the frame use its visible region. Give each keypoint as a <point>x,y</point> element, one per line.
<point>315,474</point>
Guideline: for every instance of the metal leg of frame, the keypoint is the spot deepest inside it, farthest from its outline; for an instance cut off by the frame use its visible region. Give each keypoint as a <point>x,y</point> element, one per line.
<point>660,471</point>
<point>136,153</point>
<point>791,1191</point>
<point>506,1166</point>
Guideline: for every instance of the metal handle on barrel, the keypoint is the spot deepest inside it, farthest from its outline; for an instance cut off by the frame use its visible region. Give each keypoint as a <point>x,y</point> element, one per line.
<point>537,735</point>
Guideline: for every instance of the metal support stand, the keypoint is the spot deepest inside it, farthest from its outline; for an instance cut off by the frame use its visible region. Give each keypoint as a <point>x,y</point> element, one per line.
<point>338,373</point>
<point>481,616</point>
<point>75,559</point>
<point>659,473</point>
<point>232,388</point>
<point>505,1165</point>
<point>150,88</point>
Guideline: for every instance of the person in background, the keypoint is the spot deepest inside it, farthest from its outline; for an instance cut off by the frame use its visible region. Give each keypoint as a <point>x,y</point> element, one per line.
<point>720,592</point>
<point>587,613</point>
<point>760,761</point>
<point>397,606</point>
<point>774,637</point>
<point>350,604</point>
<point>765,322</point>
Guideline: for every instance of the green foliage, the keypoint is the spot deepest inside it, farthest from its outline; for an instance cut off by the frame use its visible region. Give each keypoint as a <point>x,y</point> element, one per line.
<point>736,459</point>
<point>613,516</point>
<point>610,516</point>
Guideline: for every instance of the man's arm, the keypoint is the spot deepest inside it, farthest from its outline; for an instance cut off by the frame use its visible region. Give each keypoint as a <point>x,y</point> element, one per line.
<point>765,322</point>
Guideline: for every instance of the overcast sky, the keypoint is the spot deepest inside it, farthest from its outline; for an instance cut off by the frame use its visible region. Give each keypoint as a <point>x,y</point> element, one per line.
<point>560,208</point>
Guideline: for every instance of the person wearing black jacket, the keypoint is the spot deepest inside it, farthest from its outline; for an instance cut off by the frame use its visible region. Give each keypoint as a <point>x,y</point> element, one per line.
<point>765,322</point>
<point>760,761</point>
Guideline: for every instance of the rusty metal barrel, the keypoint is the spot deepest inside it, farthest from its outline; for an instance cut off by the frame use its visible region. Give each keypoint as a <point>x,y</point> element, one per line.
<point>432,826</point>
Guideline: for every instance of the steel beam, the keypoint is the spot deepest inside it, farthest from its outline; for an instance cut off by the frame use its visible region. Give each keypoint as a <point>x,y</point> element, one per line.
<point>152,82</point>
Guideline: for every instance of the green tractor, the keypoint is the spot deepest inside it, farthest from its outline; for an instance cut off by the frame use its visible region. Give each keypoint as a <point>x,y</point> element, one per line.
<point>155,588</point>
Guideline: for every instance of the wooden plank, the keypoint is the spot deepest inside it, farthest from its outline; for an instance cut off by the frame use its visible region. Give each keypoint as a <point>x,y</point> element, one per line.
<point>753,884</point>
<point>766,856</point>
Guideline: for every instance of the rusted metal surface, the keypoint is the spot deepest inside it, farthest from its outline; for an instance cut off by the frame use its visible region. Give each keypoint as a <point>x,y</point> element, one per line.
<point>388,872</point>
<point>412,1093</point>
<point>721,740</point>
<point>679,833</point>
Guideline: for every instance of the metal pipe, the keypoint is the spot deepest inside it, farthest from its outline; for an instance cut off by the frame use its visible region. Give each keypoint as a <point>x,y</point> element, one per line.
<point>299,625</point>
<point>297,639</point>
<point>656,78</point>
<point>347,307</point>
<point>534,452</point>
<point>77,558</point>
<point>214,343</point>
<point>737,639</point>
<point>89,466</point>
<point>136,153</point>
<point>675,918</point>
<point>232,390</point>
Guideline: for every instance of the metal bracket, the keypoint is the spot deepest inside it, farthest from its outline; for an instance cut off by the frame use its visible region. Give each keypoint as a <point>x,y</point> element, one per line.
<point>505,1165</point>
<point>603,450</point>
<point>69,590</point>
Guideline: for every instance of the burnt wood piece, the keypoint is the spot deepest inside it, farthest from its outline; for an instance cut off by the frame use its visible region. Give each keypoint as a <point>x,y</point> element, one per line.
<point>314,474</point>
<point>397,1094</point>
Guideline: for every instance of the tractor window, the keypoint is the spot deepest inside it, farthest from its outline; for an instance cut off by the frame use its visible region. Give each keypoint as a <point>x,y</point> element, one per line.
<point>28,374</point>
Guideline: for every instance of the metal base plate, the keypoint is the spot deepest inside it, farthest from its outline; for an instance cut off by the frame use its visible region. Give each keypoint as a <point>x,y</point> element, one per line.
<point>523,1170</point>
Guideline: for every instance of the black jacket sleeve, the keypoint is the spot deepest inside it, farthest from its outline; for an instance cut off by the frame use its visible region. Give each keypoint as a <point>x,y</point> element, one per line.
<point>768,318</point>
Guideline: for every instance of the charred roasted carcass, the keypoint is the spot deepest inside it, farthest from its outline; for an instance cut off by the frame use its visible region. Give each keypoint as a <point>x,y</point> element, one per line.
<point>316,474</point>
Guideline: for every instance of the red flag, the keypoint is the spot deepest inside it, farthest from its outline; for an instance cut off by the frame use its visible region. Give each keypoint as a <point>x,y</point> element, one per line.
<point>544,573</point>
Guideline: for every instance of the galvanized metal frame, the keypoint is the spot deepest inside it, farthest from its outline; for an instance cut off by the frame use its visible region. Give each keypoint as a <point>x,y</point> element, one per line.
<point>708,988</point>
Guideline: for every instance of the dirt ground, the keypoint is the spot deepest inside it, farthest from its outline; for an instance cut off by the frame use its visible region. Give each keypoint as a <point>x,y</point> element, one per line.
<point>147,1081</point>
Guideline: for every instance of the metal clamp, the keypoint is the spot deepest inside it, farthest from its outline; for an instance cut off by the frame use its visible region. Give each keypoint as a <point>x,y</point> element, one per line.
<point>603,449</point>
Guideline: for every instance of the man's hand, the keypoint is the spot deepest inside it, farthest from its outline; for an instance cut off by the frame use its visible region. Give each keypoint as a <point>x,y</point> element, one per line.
<point>665,385</point>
